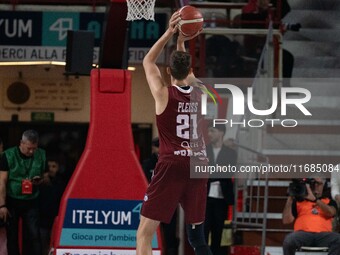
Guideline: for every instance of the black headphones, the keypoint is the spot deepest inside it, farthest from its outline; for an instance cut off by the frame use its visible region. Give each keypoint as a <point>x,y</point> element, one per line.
<point>325,190</point>
<point>325,186</point>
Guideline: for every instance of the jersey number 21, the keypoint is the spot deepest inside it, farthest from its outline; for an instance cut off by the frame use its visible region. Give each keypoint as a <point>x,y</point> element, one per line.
<point>183,126</point>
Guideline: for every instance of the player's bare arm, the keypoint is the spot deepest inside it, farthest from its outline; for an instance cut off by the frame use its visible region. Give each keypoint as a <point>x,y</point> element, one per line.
<point>155,80</point>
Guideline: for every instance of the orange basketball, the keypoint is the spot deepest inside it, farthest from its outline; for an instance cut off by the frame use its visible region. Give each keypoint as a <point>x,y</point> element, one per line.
<point>191,20</point>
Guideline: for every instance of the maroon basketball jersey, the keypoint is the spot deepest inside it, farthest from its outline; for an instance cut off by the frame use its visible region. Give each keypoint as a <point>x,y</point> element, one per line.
<point>180,125</point>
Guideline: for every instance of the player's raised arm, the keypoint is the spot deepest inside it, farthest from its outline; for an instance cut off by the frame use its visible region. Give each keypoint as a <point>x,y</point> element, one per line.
<point>152,72</point>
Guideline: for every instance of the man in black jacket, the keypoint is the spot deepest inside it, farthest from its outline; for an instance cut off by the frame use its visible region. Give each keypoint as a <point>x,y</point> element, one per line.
<point>221,190</point>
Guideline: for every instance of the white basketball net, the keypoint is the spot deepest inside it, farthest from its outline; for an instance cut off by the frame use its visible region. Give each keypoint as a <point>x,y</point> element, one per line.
<point>140,9</point>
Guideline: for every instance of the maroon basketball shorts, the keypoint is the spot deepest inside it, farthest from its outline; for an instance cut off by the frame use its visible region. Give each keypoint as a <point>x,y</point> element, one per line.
<point>171,185</point>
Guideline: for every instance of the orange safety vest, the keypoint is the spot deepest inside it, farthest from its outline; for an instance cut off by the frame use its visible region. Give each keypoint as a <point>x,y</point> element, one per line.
<point>311,218</point>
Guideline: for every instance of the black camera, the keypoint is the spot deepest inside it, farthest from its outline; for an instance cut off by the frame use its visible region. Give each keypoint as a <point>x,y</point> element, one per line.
<point>297,188</point>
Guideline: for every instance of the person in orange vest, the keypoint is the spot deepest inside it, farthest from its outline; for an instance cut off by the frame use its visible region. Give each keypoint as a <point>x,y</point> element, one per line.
<point>312,216</point>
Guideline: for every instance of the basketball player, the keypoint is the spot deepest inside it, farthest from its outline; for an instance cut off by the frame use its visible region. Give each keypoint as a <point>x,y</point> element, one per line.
<point>178,122</point>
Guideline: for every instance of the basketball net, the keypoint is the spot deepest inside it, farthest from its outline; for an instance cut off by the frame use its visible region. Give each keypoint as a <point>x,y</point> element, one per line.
<point>140,9</point>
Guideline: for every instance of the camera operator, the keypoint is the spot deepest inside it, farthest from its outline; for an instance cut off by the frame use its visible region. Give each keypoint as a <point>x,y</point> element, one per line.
<point>312,219</point>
